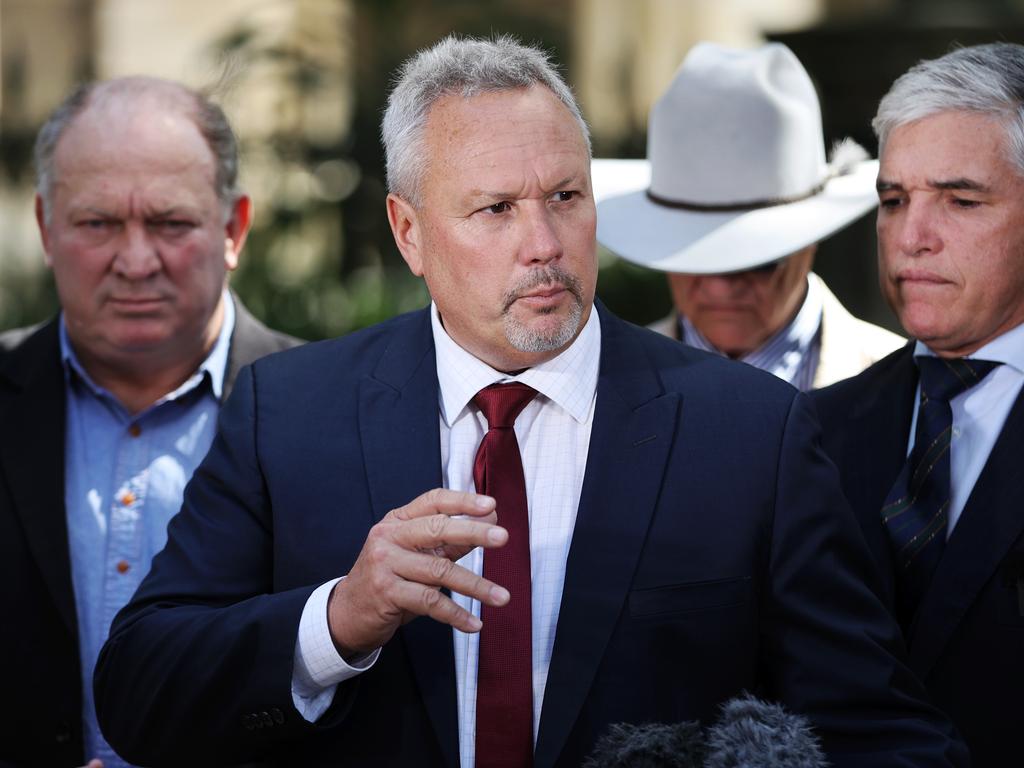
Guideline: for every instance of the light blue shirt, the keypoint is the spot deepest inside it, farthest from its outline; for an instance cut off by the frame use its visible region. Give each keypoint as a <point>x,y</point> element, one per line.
<point>124,478</point>
<point>792,353</point>
<point>978,415</point>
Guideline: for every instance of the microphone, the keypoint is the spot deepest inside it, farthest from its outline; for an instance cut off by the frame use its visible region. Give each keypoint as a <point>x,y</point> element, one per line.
<point>751,733</point>
<point>651,745</point>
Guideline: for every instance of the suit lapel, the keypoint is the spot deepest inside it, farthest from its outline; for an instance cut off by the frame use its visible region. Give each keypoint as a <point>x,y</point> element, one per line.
<point>991,521</point>
<point>250,340</point>
<point>877,448</point>
<point>32,455</point>
<point>840,352</point>
<point>634,427</point>
<point>399,430</point>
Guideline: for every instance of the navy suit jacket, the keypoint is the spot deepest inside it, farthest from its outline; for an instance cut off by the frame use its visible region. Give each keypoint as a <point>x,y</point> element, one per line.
<point>712,553</point>
<point>967,642</point>
<point>41,706</point>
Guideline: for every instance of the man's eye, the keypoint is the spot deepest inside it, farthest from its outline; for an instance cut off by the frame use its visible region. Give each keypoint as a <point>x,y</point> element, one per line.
<point>564,196</point>
<point>172,226</point>
<point>960,202</point>
<point>890,203</point>
<point>95,225</point>
<point>502,207</point>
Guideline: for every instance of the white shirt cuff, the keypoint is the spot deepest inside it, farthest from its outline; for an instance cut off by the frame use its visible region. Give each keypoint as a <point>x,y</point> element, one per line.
<point>318,666</point>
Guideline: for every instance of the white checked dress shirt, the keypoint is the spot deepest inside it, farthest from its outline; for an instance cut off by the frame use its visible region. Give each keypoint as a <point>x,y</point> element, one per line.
<point>978,415</point>
<point>554,436</point>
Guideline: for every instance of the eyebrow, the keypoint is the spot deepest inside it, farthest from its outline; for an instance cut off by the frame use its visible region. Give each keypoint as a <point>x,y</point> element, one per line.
<point>493,195</point>
<point>962,184</point>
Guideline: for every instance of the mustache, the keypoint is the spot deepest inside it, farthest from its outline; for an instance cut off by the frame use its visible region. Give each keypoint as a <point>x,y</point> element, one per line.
<point>540,277</point>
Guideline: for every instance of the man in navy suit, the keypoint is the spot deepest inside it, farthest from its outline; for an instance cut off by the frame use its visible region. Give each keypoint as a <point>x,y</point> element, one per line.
<point>686,537</point>
<point>951,260</point>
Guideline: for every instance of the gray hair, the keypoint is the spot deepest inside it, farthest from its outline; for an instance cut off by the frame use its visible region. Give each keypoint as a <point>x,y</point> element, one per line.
<point>467,67</point>
<point>984,79</point>
<point>207,116</point>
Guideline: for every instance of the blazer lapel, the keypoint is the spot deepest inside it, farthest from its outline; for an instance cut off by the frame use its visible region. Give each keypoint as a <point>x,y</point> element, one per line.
<point>400,433</point>
<point>250,340</point>
<point>32,453</point>
<point>879,428</point>
<point>992,520</point>
<point>634,426</point>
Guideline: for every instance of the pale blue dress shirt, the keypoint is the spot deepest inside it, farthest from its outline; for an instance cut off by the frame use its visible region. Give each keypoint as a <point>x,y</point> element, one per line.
<point>979,415</point>
<point>124,478</point>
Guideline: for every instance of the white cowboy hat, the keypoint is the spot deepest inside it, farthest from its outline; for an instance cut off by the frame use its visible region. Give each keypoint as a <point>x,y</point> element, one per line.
<point>736,175</point>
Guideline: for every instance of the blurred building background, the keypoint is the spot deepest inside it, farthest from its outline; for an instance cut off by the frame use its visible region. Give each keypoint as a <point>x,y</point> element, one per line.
<point>304,83</point>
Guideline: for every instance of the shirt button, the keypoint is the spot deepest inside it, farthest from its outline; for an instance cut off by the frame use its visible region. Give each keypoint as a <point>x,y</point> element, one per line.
<point>127,498</point>
<point>134,430</point>
<point>123,566</point>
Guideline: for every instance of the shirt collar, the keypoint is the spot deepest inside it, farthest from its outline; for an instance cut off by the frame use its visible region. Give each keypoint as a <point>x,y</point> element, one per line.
<point>1007,349</point>
<point>569,380</point>
<point>214,365</point>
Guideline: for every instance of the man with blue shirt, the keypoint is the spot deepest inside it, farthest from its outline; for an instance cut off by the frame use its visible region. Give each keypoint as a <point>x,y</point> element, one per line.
<point>930,440</point>
<point>107,409</point>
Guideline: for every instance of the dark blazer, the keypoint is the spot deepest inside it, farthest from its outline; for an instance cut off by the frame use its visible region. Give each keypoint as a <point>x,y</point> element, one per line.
<point>41,706</point>
<point>712,553</point>
<point>967,644</point>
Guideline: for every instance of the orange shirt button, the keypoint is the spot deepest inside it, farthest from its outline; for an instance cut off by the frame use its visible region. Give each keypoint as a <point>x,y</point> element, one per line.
<point>128,498</point>
<point>134,430</point>
<point>123,566</point>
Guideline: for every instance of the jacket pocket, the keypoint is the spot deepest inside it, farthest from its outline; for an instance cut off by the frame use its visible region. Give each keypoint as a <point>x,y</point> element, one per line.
<point>692,596</point>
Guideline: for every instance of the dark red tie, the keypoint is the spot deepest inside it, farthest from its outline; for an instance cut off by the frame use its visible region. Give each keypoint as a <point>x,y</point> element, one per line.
<point>504,697</point>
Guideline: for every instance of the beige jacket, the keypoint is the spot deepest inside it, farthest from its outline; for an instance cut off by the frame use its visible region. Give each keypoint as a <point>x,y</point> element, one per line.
<point>848,345</point>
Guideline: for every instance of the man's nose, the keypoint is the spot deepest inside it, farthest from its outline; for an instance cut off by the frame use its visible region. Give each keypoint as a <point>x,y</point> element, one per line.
<point>541,242</point>
<point>917,233</point>
<point>724,286</point>
<point>137,256</point>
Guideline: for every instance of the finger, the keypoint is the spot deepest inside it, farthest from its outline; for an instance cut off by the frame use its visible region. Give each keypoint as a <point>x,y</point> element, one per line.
<point>445,502</point>
<point>440,572</point>
<point>421,600</point>
<point>440,532</point>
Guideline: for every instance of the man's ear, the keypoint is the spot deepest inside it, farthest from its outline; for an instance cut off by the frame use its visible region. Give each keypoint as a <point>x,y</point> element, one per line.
<point>408,232</point>
<point>236,230</point>
<point>44,233</point>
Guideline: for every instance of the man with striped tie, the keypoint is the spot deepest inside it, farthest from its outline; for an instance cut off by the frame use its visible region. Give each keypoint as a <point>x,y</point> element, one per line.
<point>929,440</point>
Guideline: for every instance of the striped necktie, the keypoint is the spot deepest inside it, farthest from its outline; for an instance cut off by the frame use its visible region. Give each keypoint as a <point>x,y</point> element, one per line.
<point>915,513</point>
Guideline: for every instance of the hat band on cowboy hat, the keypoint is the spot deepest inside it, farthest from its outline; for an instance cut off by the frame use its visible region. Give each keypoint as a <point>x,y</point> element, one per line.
<point>729,207</point>
<point>736,174</point>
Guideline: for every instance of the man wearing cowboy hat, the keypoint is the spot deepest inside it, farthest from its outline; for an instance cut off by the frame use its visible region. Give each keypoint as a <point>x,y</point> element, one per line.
<point>732,201</point>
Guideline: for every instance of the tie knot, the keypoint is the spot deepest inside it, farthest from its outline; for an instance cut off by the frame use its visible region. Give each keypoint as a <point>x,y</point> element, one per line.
<point>945,378</point>
<point>502,403</point>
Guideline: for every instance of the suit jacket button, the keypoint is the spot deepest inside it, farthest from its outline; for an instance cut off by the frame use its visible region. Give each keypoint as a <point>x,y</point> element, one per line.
<point>266,719</point>
<point>278,715</point>
<point>248,722</point>
<point>63,733</point>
